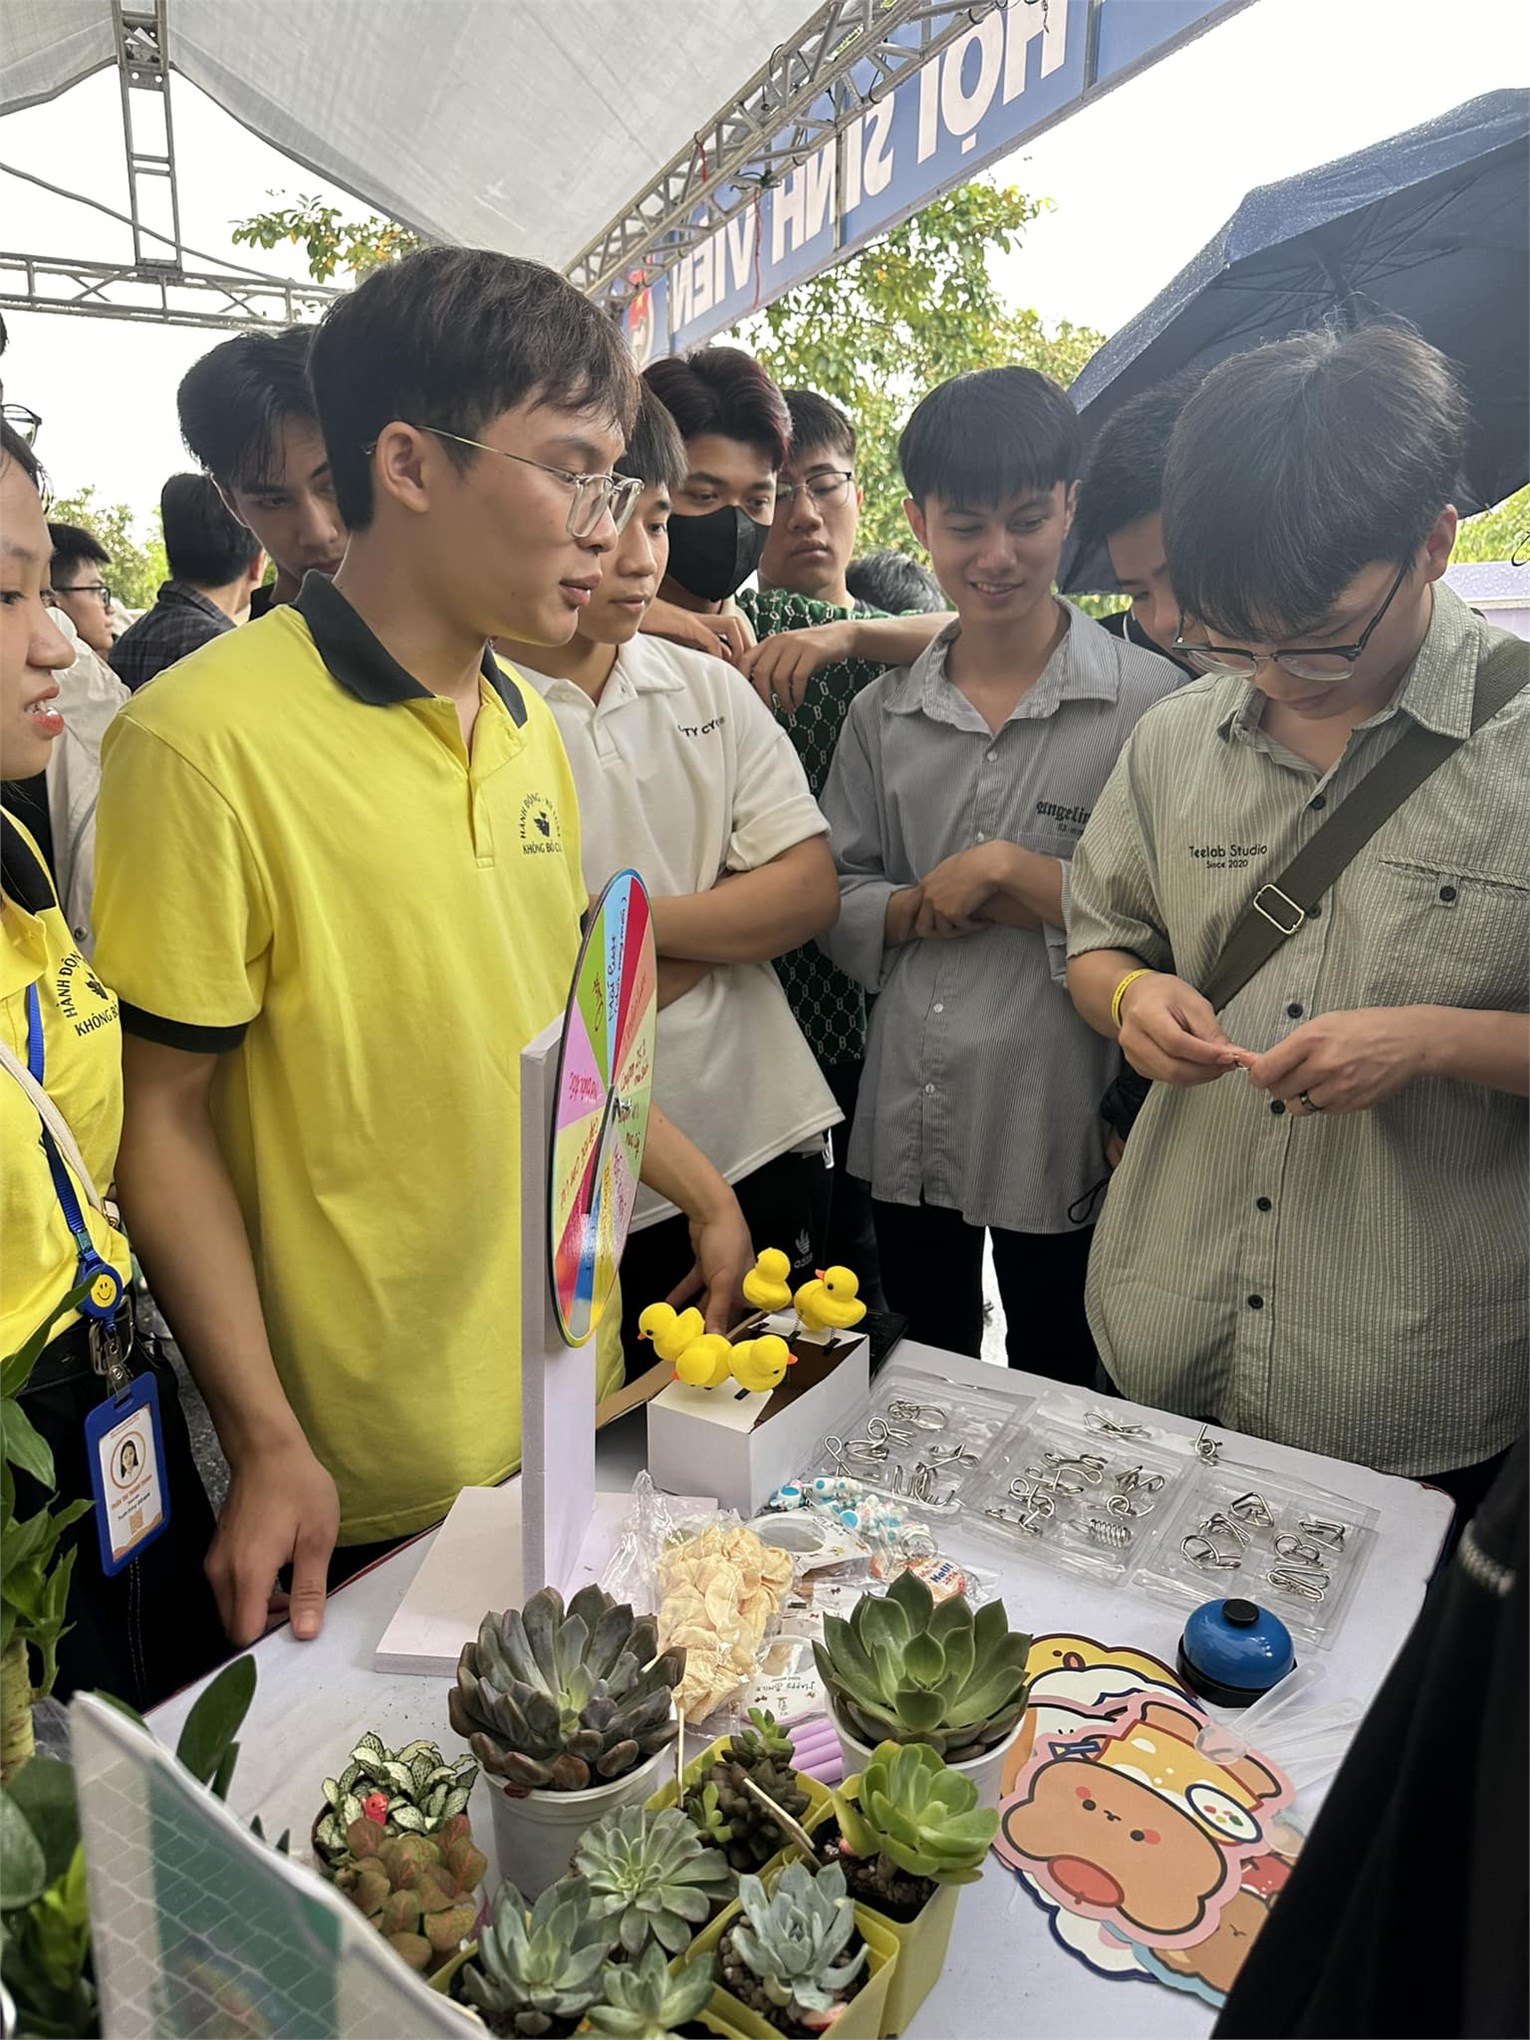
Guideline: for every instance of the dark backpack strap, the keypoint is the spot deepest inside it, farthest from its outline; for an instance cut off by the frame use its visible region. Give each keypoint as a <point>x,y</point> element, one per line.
<point>1281,905</point>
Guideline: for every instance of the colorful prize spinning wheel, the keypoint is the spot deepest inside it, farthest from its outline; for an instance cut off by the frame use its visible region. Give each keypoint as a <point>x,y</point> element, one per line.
<point>600,1119</point>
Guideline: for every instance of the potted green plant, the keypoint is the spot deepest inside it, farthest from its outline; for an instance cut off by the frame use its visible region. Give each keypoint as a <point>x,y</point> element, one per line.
<point>651,1877</point>
<point>537,1970</point>
<point>569,1712</point>
<point>731,1792</point>
<point>910,1834</point>
<point>906,1669</point>
<point>796,1956</point>
<point>417,1890</point>
<point>648,1999</point>
<point>411,1791</point>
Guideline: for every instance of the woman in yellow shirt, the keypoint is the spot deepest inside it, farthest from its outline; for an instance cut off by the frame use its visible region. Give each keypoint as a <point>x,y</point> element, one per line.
<point>148,1628</point>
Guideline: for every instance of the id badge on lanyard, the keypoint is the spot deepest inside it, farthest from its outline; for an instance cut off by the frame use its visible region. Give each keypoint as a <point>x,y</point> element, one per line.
<point>124,1444</point>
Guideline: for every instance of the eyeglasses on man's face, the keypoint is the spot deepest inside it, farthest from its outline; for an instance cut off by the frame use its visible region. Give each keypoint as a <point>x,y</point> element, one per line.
<point>98,589</point>
<point>595,496</point>
<point>825,488</point>
<point>23,421</point>
<point>1303,662</point>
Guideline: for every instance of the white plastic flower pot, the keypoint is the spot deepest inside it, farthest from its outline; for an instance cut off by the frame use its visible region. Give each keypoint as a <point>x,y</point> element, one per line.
<point>984,1771</point>
<point>535,1837</point>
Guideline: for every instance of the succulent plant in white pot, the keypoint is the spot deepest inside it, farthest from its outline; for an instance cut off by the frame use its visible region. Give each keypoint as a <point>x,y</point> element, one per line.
<point>569,1711</point>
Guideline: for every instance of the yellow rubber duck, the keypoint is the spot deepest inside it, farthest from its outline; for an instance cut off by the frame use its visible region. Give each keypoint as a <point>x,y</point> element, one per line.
<point>706,1362</point>
<point>670,1331</point>
<point>830,1302</point>
<point>766,1285</point>
<point>761,1364</point>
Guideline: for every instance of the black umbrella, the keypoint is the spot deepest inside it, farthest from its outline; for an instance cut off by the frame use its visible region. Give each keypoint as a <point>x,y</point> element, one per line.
<point>1432,226</point>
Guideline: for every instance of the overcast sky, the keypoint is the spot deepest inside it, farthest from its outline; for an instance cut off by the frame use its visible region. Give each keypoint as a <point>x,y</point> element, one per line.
<point>1139,180</point>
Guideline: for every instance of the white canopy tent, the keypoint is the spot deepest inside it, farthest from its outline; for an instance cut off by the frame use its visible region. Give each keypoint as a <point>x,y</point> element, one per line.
<point>515,124</point>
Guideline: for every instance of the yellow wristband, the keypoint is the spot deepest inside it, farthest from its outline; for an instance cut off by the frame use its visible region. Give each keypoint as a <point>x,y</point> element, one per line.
<point>1120,993</point>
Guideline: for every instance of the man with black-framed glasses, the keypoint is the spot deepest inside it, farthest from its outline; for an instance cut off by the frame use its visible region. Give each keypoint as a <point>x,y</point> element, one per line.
<point>1317,1232</point>
<point>78,579</point>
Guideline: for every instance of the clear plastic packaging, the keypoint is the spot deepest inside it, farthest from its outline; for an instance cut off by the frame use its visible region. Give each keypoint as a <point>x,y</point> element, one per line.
<point>1294,1549</point>
<point>1085,1498</point>
<point>924,1440</point>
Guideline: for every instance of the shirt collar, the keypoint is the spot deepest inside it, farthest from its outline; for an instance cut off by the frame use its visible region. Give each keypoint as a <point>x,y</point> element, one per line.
<point>1086,666</point>
<point>182,595</point>
<point>1437,689</point>
<point>363,665</point>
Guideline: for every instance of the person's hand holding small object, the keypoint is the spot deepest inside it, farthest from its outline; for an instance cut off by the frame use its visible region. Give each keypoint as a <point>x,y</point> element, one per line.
<point>780,667</point>
<point>1344,1062</point>
<point>1169,1032</point>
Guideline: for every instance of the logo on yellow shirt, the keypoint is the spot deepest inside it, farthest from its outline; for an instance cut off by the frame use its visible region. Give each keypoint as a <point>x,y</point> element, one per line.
<point>541,831</point>
<point>75,980</point>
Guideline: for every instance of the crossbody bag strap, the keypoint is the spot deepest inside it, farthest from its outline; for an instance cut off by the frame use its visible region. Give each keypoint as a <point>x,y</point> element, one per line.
<point>1281,905</point>
<point>56,1124</point>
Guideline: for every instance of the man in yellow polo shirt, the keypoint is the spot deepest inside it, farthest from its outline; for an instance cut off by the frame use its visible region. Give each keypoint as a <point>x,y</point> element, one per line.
<point>338,890</point>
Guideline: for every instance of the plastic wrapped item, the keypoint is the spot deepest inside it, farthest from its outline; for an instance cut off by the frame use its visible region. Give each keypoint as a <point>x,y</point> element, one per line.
<point>1091,1499</point>
<point>923,1440</point>
<point>1295,1549</point>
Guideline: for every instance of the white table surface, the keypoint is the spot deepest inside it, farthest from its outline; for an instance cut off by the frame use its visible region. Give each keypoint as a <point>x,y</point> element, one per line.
<point>1005,1974</point>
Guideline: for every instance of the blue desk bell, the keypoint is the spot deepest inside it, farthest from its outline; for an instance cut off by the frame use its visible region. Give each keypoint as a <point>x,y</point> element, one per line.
<point>1233,1652</point>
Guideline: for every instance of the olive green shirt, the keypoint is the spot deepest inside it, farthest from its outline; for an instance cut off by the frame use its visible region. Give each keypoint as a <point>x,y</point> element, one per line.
<point>1355,1283</point>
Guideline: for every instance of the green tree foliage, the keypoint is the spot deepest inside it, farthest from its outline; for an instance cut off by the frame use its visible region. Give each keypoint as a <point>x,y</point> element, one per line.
<point>915,307</point>
<point>1502,533</point>
<point>331,243</point>
<point>138,555</point>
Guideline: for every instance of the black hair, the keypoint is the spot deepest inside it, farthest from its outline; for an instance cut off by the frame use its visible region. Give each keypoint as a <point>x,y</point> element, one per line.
<point>454,338</point>
<point>723,390</point>
<point>235,400</point>
<point>892,581</point>
<point>74,545</point>
<point>1299,464</point>
<point>989,435</point>
<point>1123,470</point>
<point>818,423</point>
<point>655,452</point>
<point>14,447</point>
<point>204,542</point>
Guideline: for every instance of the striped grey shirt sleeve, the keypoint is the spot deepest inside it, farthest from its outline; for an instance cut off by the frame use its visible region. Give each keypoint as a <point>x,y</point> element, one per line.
<point>852,807</point>
<point>1112,901</point>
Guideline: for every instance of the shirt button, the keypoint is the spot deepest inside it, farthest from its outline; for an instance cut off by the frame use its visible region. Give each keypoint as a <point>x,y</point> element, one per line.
<point>991,755</point>
<point>1263,1204</point>
<point>929,1090</point>
<point>981,837</point>
<point>1293,1011</point>
<point>1256,1303</point>
<point>1314,913</point>
<point>940,1008</point>
<point>1448,894</point>
<point>1318,800</point>
<point>1277,1108</point>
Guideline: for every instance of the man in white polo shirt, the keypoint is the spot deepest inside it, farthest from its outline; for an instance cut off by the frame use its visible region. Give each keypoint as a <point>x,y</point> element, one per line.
<point>682,773</point>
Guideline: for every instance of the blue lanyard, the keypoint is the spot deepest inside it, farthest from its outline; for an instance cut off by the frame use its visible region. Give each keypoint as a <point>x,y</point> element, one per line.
<point>100,1279</point>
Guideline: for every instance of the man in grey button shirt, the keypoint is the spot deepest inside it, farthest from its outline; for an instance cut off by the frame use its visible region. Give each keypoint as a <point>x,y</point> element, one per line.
<point>1318,1230</point>
<point>958,791</point>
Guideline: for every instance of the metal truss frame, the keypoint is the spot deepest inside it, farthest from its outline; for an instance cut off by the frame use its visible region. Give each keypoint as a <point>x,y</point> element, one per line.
<point>156,287</point>
<point>845,49</point>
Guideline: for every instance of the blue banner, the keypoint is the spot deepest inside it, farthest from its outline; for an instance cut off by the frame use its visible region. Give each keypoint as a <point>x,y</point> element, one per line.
<point>1021,68</point>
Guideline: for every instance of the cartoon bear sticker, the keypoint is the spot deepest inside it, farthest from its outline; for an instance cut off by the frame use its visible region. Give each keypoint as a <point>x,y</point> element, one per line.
<point>1126,1822</point>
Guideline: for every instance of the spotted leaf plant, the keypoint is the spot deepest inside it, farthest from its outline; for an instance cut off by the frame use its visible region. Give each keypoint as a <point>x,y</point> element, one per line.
<point>412,1791</point>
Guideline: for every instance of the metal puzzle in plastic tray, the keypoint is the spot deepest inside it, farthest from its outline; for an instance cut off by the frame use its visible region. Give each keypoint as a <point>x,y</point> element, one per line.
<point>1294,1549</point>
<point>1090,1495</point>
<point>924,1439</point>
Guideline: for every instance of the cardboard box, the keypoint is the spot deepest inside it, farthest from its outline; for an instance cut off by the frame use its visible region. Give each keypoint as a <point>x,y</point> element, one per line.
<point>746,1445</point>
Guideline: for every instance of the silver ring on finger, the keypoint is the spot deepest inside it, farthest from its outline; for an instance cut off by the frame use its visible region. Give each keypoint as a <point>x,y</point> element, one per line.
<point>1306,1103</point>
